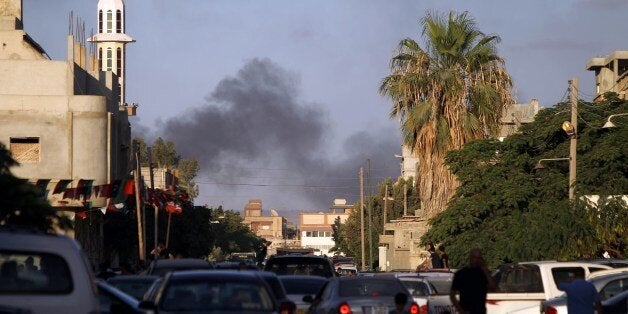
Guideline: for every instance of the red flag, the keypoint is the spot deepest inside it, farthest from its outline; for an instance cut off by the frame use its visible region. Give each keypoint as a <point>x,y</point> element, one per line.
<point>173,208</point>
<point>129,187</point>
<point>81,215</point>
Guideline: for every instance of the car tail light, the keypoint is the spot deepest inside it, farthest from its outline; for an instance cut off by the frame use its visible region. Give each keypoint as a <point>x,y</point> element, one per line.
<point>344,309</point>
<point>287,307</point>
<point>551,310</point>
<point>414,309</point>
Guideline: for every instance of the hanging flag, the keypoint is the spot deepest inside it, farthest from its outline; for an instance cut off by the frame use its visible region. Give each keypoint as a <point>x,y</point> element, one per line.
<point>61,186</point>
<point>173,208</point>
<point>82,214</point>
<point>129,187</point>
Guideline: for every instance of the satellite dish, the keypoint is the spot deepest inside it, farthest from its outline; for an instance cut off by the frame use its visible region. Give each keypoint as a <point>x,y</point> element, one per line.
<point>274,213</point>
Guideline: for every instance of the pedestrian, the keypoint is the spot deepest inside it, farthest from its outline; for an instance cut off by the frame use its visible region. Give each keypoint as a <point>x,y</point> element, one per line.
<point>581,294</point>
<point>435,258</point>
<point>444,258</point>
<point>400,304</point>
<point>472,282</point>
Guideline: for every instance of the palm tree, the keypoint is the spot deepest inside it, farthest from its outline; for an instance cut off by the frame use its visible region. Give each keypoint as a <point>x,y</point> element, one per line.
<point>446,94</point>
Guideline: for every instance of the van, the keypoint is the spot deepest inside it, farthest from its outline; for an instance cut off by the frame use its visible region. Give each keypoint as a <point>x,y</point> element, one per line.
<point>43,273</point>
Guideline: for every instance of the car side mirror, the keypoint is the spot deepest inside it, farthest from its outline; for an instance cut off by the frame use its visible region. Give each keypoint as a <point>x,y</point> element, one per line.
<point>147,305</point>
<point>308,299</point>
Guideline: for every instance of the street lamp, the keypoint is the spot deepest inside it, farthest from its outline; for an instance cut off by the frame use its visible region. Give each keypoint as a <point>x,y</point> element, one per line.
<point>610,124</point>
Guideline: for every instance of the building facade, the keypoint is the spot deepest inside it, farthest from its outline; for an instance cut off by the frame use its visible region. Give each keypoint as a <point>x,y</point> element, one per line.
<point>316,228</point>
<point>271,227</point>
<point>516,115</point>
<point>611,74</point>
<point>399,246</point>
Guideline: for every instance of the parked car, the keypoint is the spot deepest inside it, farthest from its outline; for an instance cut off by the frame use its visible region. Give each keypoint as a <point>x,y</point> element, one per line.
<point>298,286</point>
<point>133,285</point>
<point>359,295</point>
<point>45,274</point>
<point>209,291</point>
<point>152,290</point>
<point>235,265</point>
<point>521,287</point>
<point>162,266</point>
<point>113,300</point>
<point>612,262</point>
<point>300,265</point>
<point>423,291</point>
<point>608,286</point>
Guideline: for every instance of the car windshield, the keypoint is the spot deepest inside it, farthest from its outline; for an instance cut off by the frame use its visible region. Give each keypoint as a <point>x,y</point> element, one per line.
<point>210,295</point>
<point>315,267</point>
<point>370,288</point>
<point>33,273</point>
<point>441,285</point>
<point>416,288</point>
<point>301,285</point>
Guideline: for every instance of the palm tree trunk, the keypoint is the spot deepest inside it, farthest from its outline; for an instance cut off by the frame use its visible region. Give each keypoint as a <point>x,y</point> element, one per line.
<point>436,184</point>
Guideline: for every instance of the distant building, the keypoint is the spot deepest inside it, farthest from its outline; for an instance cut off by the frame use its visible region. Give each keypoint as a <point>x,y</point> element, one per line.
<point>399,246</point>
<point>315,228</point>
<point>409,163</point>
<point>611,74</point>
<point>516,115</point>
<point>270,227</point>
<point>163,178</point>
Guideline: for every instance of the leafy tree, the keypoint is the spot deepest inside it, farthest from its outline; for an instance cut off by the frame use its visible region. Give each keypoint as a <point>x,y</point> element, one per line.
<point>22,203</point>
<point>187,170</point>
<point>231,235</point>
<point>515,212</point>
<point>164,153</point>
<point>446,93</point>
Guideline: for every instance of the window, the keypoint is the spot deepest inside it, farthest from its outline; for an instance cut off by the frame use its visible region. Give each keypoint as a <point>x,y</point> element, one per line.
<point>118,21</point>
<point>519,278</point>
<point>25,149</point>
<point>561,274</point>
<point>120,92</point>
<point>100,21</point>
<point>34,273</point>
<point>614,288</point>
<point>109,21</point>
<point>119,62</point>
<point>109,57</point>
<point>99,59</point>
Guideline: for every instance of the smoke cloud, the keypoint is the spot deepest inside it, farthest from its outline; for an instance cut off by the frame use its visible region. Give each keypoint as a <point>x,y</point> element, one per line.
<point>254,138</point>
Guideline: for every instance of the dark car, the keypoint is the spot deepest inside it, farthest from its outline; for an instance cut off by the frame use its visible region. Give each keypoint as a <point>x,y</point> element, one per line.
<point>287,305</point>
<point>209,291</point>
<point>300,265</point>
<point>618,304</point>
<point>133,285</point>
<point>298,286</point>
<point>113,300</point>
<point>360,294</point>
<point>161,267</point>
<point>235,265</point>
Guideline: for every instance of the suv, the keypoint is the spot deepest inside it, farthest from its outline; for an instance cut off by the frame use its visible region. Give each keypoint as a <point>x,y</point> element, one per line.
<point>300,265</point>
<point>44,274</point>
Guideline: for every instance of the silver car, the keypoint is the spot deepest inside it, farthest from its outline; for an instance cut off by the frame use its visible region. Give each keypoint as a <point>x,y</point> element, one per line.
<point>374,295</point>
<point>607,286</point>
<point>299,286</point>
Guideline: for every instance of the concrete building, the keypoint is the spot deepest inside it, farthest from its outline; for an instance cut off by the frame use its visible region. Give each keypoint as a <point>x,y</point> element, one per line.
<point>163,178</point>
<point>399,246</point>
<point>270,227</point>
<point>62,122</point>
<point>516,115</point>
<point>409,163</point>
<point>611,74</point>
<point>315,228</point>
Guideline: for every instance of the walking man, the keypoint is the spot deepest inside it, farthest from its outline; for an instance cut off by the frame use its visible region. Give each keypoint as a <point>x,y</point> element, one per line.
<point>472,283</point>
<point>436,261</point>
<point>444,258</point>
<point>581,295</point>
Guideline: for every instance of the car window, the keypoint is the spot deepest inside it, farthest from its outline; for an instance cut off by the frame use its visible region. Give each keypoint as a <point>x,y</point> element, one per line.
<point>594,269</point>
<point>34,273</point>
<point>217,296</point>
<point>276,286</point>
<point>370,288</point>
<point>313,267</point>
<point>614,288</point>
<point>562,274</point>
<point>302,286</point>
<point>416,288</point>
<point>519,278</point>
<point>441,286</point>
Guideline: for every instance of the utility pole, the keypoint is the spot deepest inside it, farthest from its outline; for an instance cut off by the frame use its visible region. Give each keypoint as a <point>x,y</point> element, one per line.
<point>385,210</point>
<point>152,187</point>
<point>370,212</point>
<point>138,205</point>
<point>574,138</point>
<point>362,216</point>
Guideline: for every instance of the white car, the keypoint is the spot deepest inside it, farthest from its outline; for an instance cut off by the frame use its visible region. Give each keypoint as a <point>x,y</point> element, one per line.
<point>44,274</point>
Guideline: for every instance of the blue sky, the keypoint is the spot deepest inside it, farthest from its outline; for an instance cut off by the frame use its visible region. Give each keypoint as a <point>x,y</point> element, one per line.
<point>334,52</point>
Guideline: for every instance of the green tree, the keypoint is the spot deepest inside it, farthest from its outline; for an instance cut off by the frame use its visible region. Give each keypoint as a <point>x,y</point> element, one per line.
<point>515,212</point>
<point>23,205</point>
<point>187,171</point>
<point>451,91</point>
